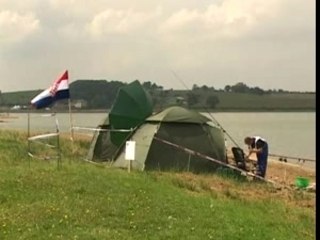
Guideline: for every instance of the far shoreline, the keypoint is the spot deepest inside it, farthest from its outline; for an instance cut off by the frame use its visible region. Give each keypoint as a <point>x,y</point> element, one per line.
<point>4,113</point>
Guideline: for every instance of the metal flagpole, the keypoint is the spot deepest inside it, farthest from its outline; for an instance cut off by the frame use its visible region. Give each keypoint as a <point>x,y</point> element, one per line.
<point>58,144</point>
<point>29,136</point>
<point>71,121</point>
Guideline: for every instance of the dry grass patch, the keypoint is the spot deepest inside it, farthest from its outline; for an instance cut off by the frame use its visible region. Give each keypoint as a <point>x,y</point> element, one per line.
<point>249,190</point>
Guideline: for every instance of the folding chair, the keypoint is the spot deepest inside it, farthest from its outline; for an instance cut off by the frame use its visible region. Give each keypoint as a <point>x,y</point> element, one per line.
<point>239,158</point>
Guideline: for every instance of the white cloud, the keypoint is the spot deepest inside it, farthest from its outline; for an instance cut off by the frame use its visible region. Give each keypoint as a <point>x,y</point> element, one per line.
<point>15,27</point>
<point>111,21</point>
<point>268,43</point>
<point>232,18</point>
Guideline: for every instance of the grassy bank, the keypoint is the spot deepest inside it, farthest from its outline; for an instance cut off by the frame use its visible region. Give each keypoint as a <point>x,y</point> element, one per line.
<point>85,201</point>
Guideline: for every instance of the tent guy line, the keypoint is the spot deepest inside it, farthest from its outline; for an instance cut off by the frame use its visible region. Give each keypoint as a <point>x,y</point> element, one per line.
<point>187,150</point>
<point>243,172</point>
<point>103,130</point>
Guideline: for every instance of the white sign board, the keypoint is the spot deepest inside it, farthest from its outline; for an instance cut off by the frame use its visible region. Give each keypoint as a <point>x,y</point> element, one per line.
<point>130,150</point>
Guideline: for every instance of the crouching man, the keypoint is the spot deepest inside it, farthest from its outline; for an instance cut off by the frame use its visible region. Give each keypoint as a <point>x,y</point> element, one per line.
<point>259,146</point>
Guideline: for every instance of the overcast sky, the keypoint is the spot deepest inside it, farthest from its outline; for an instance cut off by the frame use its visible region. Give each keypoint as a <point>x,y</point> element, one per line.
<point>264,43</point>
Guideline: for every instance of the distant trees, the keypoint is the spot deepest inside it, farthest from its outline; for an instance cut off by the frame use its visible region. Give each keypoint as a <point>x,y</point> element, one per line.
<point>241,87</point>
<point>100,94</point>
<point>1,99</point>
<point>97,93</point>
<point>195,87</point>
<point>227,88</point>
<point>192,99</point>
<point>212,101</point>
<point>257,90</point>
<point>155,92</point>
<point>151,86</point>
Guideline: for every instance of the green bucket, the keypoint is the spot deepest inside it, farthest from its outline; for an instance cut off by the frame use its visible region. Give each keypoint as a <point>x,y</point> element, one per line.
<point>302,182</point>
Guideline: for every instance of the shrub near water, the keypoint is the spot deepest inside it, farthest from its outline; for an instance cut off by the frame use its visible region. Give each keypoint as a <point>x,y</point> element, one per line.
<point>83,201</point>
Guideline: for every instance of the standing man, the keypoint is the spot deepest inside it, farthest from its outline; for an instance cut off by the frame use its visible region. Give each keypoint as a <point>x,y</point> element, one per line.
<point>259,146</point>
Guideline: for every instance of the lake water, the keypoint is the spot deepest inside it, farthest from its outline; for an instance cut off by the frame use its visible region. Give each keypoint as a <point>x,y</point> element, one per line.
<point>288,133</point>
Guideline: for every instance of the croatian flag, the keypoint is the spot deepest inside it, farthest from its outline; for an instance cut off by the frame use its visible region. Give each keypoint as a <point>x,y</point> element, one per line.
<point>59,90</point>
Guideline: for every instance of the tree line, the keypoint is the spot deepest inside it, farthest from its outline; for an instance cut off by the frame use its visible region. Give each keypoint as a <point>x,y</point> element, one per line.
<point>100,94</point>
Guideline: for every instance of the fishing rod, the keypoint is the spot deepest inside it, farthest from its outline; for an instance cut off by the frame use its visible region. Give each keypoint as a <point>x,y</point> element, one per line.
<point>235,143</point>
<point>205,108</point>
<point>297,158</point>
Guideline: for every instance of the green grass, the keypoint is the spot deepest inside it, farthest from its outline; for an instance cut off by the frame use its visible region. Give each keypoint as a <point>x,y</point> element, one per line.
<point>85,201</point>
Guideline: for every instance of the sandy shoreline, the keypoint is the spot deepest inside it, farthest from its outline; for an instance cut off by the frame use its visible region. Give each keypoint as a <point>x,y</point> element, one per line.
<point>287,173</point>
<point>284,172</point>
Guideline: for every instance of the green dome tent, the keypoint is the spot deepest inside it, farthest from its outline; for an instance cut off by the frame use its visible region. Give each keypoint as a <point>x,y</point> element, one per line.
<point>182,127</point>
<point>130,119</point>
<point>177,125</point>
